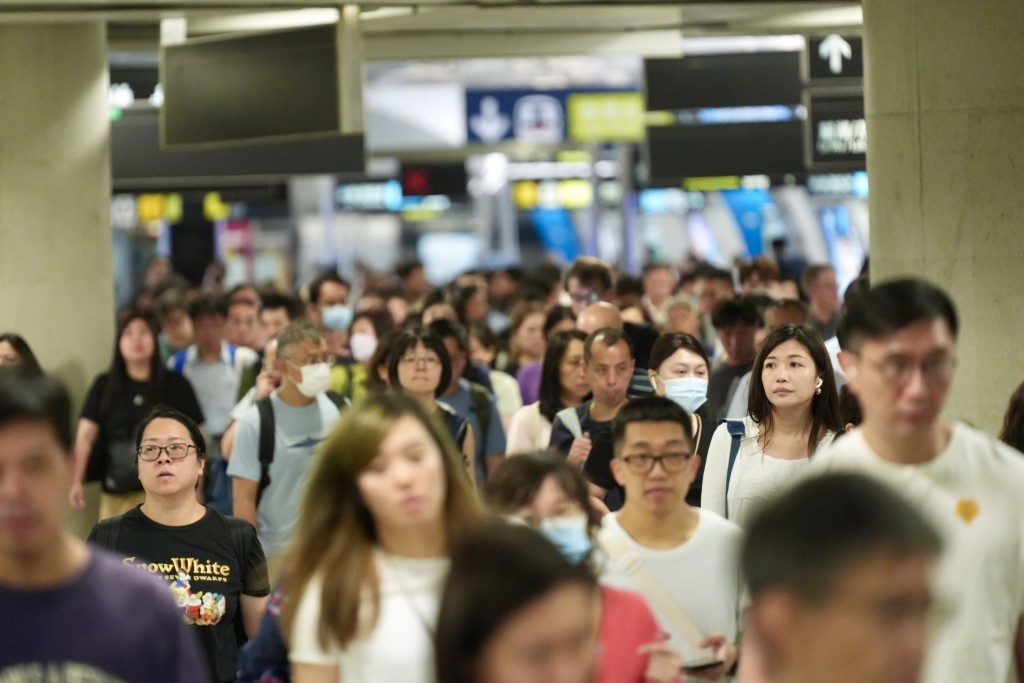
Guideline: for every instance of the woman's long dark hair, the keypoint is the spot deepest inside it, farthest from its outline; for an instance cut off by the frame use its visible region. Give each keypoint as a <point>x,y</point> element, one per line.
<point>28,364</point>
<point>117,373</point>
<point>498,570</point>
<point>824,406</point>
<point>550,377</point>
<point>1013,422</point>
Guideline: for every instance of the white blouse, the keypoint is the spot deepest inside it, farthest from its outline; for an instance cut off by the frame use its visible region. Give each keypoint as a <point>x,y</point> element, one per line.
<point>756,476</point>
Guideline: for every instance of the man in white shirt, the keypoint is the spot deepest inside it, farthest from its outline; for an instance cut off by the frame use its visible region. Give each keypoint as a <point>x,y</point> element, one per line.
<point>899,351</point>
<point>683,559</point>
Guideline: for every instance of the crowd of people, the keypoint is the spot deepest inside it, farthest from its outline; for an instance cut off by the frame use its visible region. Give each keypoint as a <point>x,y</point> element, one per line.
<point>560,477</point>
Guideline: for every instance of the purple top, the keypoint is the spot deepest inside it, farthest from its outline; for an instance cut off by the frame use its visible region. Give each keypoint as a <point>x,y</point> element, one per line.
<point>528,377</point>
<point>110,623</point>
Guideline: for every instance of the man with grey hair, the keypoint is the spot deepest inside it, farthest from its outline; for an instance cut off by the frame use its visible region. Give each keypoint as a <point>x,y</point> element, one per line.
<point>300,414</point>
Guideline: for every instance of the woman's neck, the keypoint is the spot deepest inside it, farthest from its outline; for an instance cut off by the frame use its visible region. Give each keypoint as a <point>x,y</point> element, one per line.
<point>570,400</point>
<point>177,510</point>
<point>426,540</point>
<point>139,371</point>
<point>790,432</point>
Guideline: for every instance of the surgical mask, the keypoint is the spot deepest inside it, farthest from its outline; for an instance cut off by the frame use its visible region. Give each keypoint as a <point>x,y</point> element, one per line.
<point>316,379</point>
<point>569,535</point>
<point>688,392</point>
<point>362,345</point>
<point>337,317</point>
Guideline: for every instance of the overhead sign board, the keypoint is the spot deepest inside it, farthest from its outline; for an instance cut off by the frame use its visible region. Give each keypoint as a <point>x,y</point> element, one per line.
<point>837,132</point>
<point>835,58</point>
<point>606,117</point>
<point>537,117</point>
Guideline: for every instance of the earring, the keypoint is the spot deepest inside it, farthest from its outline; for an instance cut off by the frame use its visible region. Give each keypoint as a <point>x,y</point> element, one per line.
<point>817,391</point>
<point>817,386</point>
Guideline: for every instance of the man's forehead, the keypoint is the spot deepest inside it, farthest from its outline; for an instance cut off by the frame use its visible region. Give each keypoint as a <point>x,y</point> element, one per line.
<point>653,431</point>
<point>922,336</point>
<point>602,351</point>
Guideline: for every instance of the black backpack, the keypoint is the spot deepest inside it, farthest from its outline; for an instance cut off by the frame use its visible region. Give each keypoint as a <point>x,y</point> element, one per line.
<point>266,448</point>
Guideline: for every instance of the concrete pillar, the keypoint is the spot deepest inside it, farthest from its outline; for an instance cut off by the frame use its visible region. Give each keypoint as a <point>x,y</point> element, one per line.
<point>56,272</point>
<point>945,109</point>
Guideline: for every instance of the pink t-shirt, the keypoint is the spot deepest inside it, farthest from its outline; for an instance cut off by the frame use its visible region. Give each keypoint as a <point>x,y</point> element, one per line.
<point>626,624</point>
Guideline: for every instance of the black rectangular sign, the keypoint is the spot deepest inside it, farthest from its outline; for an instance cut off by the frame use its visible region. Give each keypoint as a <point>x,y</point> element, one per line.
<point>678,152</point>
<point>739,80</point>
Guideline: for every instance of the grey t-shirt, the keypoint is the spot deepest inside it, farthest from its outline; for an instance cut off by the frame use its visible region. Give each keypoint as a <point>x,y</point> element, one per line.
<point>297,433</point>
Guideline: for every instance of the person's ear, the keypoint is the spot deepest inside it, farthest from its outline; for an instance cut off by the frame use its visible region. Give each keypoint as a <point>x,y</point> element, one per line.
<point>848,362</point>
<point>617,473</point>
<point>652,377</point>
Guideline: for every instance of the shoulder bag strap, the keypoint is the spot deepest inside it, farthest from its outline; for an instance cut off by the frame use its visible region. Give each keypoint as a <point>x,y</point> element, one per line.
<point>266,443</point>
<point>619,551</point>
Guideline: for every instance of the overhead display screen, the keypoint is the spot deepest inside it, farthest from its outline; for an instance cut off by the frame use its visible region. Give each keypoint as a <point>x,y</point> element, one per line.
<point>739,80</point>
<point>254,87</point>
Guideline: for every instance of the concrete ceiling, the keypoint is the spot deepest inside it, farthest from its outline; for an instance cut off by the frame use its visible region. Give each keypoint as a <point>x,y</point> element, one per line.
<point>457,27</point>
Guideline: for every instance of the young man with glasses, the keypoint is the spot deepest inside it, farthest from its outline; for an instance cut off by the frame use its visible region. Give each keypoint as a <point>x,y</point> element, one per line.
<point>684,560</point>
<point>268,495</point>
<point>899,353</point>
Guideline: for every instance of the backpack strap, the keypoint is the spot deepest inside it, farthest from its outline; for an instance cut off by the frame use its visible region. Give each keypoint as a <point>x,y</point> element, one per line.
<point>339,401</point>
<point>736,431</point>
<point>106,532</point>
<point>571,420</point>
<point>481,408</point>
<point>266,447</point>
<point>179,361</point>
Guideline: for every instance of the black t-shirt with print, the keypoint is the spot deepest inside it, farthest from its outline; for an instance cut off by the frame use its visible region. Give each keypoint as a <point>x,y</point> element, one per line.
<point>207,567</point>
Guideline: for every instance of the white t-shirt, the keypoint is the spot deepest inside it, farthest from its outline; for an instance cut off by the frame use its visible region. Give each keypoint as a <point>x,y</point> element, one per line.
<point>702,575</point>
<point>973,491</point>
<point>400,647</point>
<point>756,476</point>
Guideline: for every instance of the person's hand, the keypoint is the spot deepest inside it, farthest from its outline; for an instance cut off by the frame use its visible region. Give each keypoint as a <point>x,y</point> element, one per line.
<point>663,661</point>
<point>723,651</point>
<point>580,450</point>
<point>266,382</point>
<point>76,496</point>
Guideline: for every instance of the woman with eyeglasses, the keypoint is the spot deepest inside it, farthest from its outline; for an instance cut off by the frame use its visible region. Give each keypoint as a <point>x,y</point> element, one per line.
<point>563,385</point>
<point>212,564</point>
<point>386,501</point>
<point>135,383</point>
<point>793,410</point>
<point>419,365</point>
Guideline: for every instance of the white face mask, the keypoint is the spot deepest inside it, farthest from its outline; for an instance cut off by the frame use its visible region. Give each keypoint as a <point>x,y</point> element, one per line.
<point>362,345</point>
<point>316,379</point>
<point>688,392</point>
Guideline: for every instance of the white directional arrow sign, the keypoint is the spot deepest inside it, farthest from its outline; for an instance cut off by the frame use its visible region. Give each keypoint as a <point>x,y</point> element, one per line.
<point>490,125</point>
<point>834,49</point>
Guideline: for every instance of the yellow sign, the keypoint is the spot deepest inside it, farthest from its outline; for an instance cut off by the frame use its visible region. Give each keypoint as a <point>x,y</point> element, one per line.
<point>711,184</point>
<point>606,117</point>
<point>214,209</point>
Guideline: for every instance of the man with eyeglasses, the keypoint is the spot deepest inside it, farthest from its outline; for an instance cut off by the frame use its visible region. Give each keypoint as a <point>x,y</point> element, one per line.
<point>73,612</point>
<point>899,353</point>
<point>684,560</point>
<point>267,495</point>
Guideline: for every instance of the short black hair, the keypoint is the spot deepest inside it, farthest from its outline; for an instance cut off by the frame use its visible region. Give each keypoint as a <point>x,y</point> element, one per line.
<point>318,282</point>
<point>668,343</point>
<point>609,336</point>
<point>208,304</point>
<point>711,273</point>
<point>26,397</point>
<point>166,413</point>
<point>451,329</point>
<point>803,541</point>
<point>649,409</point>
<point>589,270</point>
<point>275,300</point>
<point>741,310</point>
<point>890,306</point>
<point>28,362</point>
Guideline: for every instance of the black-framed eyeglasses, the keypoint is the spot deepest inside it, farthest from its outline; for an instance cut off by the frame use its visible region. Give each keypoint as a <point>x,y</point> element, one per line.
<point>899,370</point>
<point>643,463</point>
<point>175,451</point>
